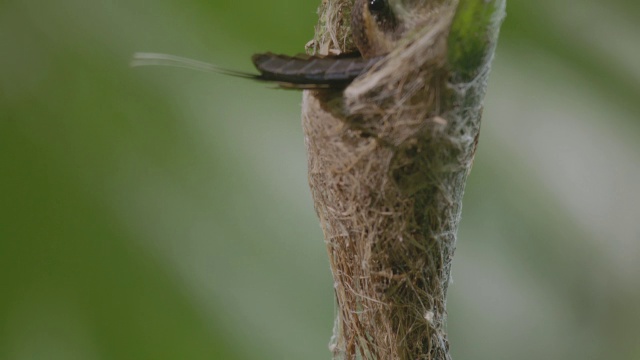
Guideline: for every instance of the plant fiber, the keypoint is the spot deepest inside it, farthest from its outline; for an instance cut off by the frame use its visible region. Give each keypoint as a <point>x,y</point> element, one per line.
<point>388,160</point>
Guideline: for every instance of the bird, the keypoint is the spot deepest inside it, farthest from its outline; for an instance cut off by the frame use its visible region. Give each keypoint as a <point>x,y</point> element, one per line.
<point>377,25</point>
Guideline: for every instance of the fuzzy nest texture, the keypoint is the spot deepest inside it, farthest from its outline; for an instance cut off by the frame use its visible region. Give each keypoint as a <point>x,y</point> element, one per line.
<point>388,160</point>
<point>333,32</point>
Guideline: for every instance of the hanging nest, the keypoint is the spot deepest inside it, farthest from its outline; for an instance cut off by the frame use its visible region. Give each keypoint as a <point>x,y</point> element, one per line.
<point>388,160</point>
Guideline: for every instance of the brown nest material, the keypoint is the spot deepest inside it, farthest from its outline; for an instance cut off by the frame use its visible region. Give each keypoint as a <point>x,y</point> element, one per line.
<point>388,160</point>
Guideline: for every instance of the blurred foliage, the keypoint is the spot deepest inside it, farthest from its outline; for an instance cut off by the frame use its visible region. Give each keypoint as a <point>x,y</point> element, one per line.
<point>160,213</point>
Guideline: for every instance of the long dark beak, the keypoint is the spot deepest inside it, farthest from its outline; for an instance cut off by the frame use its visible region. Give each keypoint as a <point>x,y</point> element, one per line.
<point>311,72</point>
<point>288,72</point>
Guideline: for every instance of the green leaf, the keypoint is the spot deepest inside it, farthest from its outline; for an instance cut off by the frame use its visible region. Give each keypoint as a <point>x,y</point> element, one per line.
<point>474,33</point>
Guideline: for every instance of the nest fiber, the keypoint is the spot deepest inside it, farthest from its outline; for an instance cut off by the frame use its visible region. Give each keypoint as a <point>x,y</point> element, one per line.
<point>388,160</point>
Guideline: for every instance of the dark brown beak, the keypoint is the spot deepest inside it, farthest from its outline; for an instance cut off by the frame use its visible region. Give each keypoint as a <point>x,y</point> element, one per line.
<point>311,72</point>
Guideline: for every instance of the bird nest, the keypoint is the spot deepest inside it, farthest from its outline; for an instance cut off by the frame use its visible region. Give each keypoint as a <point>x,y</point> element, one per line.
<point>388,161</point>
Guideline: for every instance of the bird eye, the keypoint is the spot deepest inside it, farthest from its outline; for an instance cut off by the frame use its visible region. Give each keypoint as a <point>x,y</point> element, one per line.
<point>377,5</point>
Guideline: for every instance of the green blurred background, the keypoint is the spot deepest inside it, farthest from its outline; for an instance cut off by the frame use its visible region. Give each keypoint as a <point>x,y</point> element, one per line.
<point>159,213</point>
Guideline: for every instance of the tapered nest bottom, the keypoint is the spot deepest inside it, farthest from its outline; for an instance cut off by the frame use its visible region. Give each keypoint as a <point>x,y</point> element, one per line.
<point>388,160</point>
